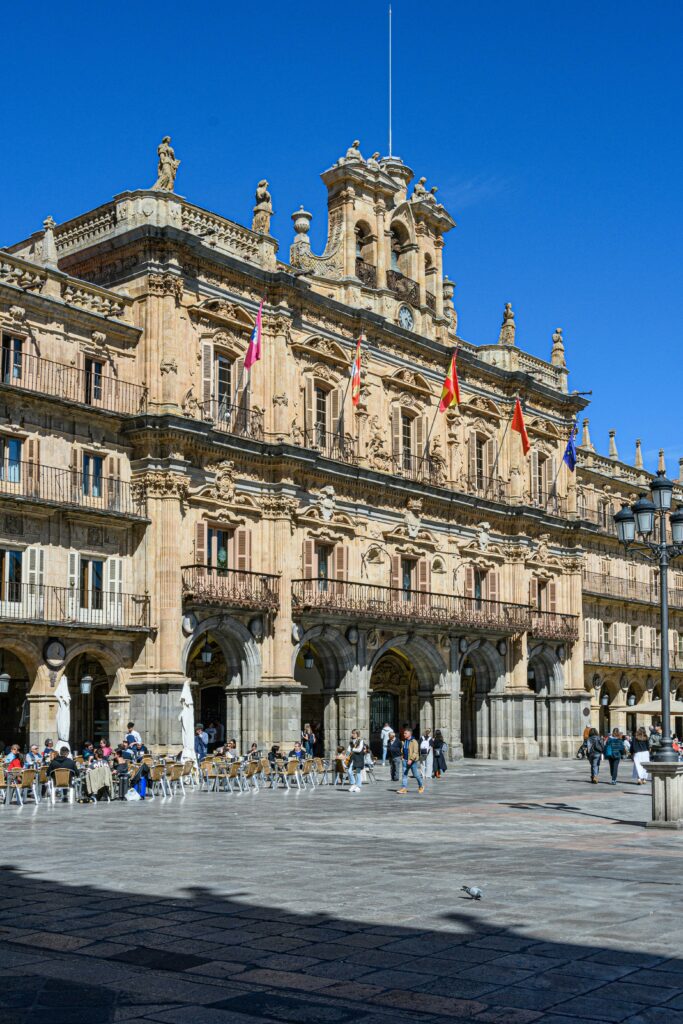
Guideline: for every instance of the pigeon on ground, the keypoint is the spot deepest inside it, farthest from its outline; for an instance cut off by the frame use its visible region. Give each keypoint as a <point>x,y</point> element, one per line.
<point>473,891</point>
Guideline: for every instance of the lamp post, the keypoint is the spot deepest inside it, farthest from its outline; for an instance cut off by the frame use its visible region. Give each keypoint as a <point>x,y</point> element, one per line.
<point>642,518</point>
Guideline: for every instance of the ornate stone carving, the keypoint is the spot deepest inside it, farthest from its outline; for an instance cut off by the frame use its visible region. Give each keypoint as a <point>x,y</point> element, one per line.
<point>331,263</point>
<point>483,535</point>
<point>95,536</point>
<point>507,330</point>
<point>280,400</point>
<point>378,456</point>
<point>263,210</point>
<point>17,314</point>
<point>327,502</point>
<point>353,154</point>
<point>168,366</point>
<point>14,525</point>
<point>438,462</point>
<point>278,506</point>
<point>224,487</point>
<point>156,484</point>
<point>557,354</point>
<point>413,517</point>
<point>166,284</point>
<point>167,167</point>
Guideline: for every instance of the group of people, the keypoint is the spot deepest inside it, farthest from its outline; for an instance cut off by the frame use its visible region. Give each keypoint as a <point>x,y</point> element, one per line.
<point>432,750</point>
<point>616,746</point>
<point>408,757</point>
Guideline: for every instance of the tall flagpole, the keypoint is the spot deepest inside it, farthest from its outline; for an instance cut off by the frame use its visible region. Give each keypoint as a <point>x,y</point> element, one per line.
<point>390,110</point>
<point>553,489</point>
<point>497,459</point>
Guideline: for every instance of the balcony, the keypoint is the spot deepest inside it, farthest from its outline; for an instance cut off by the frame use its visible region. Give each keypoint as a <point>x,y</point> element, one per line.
<point>598,517</point>
<point>549,502</point>
<point>28,482</point>
<point>73,607</point>
<point>430,301</point>
<point>23,372</point>
<point>488,487</point>
<point>554,626</point>
<point>366,273</point>
<point>403,287</point>
<point>624,655</point>
<point>230,588</point>
<point>232,419</point>
<point>421,469</point>
<point>628,590</point>
<point>373,603</point>
<point>332,445</point>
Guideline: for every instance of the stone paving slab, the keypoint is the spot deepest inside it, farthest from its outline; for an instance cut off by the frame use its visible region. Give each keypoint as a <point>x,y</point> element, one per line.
<point>330,906</point>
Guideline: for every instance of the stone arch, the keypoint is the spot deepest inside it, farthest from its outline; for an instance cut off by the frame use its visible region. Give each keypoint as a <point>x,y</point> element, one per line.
<point>241,652</point>
<point>550,680</point>
<point>488,665</point>
<point>31,657</point>
<point>419,691</point>
<point>334,652</point>
<point>424,656</point>
<point>337,681</point>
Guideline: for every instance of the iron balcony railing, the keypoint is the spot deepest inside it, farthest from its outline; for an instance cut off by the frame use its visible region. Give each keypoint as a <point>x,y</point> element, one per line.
<point>233,419</point>
<point>366,273</point>
<point>230,588</point>
<point>72,606</point>
<point>598,517</point>
<point>628,654</point>
<point>492,488</point>
<point>430,301</point>
<point>403,287</point>
<point>550,502</point>
<point>331,445</point>
<point>627,589</point>
<point>421,469</point>
<point>29,481</point>
<point>92,387</point>
<point>390,604</point>
<point>554,626</point>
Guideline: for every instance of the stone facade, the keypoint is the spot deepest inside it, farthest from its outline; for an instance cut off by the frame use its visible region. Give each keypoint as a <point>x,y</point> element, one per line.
<point>166,515</point>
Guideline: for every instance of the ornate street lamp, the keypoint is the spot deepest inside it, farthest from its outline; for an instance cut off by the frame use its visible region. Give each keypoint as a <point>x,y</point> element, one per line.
<point>86,684</point>
<point>5,680</point>
<point>309,660</point>
<point>641,519</point>
<point>207,653</point>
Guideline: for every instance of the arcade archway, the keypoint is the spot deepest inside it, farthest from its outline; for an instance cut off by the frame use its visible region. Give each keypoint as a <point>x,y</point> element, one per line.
<point>14,705</point>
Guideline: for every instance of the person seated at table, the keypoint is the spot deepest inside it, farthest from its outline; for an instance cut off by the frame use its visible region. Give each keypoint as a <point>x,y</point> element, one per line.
<point>253,754</point>
<point>274,754</point>
<point>88,751</point>
<point>13,759</point>
<point>121,774</point>
<point>298,751</point>
<point>369,759</point>
<point>99,758</point>
<point>230,751</point>
<point>123,750</point>
<point>48,750</point>
<point>62,760</point>
<point>105,748</point>
<point>139,750</point>
<point>33,758</point>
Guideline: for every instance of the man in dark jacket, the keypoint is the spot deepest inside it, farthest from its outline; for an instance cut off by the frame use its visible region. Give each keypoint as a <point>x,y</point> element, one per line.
<point>395,755</point>
<point>62,760</point>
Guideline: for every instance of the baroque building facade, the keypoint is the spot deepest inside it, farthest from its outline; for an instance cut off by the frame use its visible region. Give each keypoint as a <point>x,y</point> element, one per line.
<point>167,515</point>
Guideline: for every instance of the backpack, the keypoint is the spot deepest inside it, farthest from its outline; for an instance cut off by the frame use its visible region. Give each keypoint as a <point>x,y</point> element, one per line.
<point>596,746</point>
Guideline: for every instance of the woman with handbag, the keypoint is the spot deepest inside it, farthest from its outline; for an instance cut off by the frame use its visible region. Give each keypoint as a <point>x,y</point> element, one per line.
<point>356,755</point>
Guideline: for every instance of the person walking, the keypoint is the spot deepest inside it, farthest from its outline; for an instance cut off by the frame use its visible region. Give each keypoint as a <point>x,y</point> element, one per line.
<point>440,750</point>
<point>614,751</point>
<point>395,754</point>
<point>356,755</point>
<point>385,735</point>
<point>640,749</point>
<point>427,753</point>
<point>595,748</point>
<point>411,760</point>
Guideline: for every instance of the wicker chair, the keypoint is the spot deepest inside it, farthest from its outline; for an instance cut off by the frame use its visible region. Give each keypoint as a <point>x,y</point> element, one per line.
<point>308,774</point>
<point>250,775</point>
<point>157,782</point>
<point>9,786</point>
<point>29,781</point>
<point>234,776</point>
<point>62,780</point>
<point>292,772</point>
<point>341,772</point>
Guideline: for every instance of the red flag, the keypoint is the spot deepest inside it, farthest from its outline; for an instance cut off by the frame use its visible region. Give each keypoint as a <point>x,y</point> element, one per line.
<point>518,425</point>
<point>254,349</point>
<point>355,374</point>
<point>450,395</point>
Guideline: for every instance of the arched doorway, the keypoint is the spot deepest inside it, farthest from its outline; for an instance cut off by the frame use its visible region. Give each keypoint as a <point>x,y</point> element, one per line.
<point>482,672</point>
<point>14,707</point>
<point>545,680</point>
<point>308,672</point>
<point>468,709</point>
<point>394,698</point>
<point>89,711</point>
<point>207,668</point>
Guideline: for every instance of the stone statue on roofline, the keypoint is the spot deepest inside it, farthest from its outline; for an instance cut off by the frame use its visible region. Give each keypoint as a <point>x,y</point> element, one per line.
<point>263,210</point>
<point>168,166</point>
<point>353,153</point>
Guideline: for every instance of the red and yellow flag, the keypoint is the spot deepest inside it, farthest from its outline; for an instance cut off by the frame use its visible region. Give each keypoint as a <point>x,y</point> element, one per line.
<point>355,373</point>
<point>518,425</point>
<point>450,394</point>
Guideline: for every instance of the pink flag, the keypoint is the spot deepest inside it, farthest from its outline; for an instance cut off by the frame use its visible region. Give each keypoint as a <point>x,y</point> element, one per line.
<point>254,350</point>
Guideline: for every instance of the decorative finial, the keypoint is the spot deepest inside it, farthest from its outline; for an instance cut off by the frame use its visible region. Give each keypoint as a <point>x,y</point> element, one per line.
<point>302,243</point>
<point>586,436</point>
<point>661,464</point>
<point>507,330</point>
<point>49,247</point>
<point>263,210</point>
<point>613,453</point>
<point>557,354</point>
<point>168,167</point>
<point>639,455</point>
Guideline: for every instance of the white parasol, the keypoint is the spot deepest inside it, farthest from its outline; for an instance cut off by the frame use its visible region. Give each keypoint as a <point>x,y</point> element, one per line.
<point>186,718</point>
<point>63,698</point>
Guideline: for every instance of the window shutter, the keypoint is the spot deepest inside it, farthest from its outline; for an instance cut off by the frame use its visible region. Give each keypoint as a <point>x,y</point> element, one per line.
<point>207,379</point>
<point>395,580</point>
<point>336,411</point>
<point>489,458</point>
<point>33,467</point>
<point>341,562</point>
<point>535,477</point>
<point>492,587</point>
<point>472,459</point>
<point>200,547</point>
<point>114,482</point>
<point>423,574</point>
<point>309,559</point>
<point>114,568</point>
<point>242,392</point>
<point>533,593</point>
<point>552,596</point>
<point>396,434</point>
<point>586,630</point>
<point>469,581</point>
<point>551,468</point>
<point>309,410</point>
<point>421,429</point>
<point>75,473</point>
<point>36,574</point>
<point>243,549</point>
<point>73,598</point>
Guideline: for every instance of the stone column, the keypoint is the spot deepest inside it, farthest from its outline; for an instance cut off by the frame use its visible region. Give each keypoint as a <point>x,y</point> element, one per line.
<point>381,246</point>
<point>425,710</point>
<point>330,722</point>
<point>438,252</point>
<point>273,383</point>
<point>420,278</point>
<point>349,237</point>
<point>667,794</point>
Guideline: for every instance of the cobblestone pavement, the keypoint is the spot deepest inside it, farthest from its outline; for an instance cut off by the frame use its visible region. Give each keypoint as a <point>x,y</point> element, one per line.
<point>334,907</point>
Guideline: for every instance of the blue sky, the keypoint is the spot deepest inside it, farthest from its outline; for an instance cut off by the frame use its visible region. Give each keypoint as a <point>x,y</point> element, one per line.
<point>552,130</point>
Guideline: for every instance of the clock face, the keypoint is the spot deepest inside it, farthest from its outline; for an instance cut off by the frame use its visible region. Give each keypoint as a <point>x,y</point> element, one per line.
<point>54,653</point>
<point>405,318</point>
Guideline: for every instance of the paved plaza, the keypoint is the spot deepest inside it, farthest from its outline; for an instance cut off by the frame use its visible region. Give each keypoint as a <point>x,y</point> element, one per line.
<point>331,907</point>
